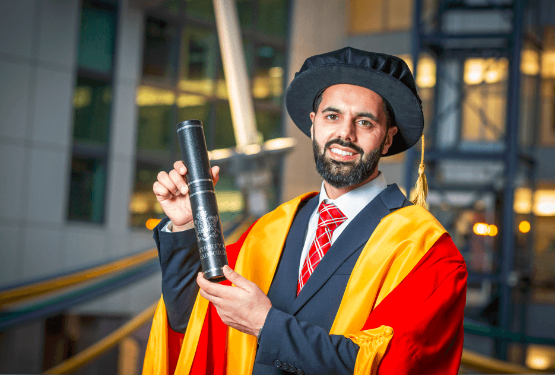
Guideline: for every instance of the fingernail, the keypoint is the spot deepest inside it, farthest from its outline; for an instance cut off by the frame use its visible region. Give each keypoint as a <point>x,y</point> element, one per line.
<point>183,190</point>
<point>182,170</point>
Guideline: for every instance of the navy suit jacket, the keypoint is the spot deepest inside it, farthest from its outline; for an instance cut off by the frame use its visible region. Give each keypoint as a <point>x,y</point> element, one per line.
<point>295,337</point>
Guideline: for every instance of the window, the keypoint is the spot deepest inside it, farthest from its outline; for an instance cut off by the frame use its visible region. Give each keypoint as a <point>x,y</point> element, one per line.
<point>547,131</point>
<point>375,16</point>
<point>183,79</point>
<point>92,104</point>
<point>485,100</point>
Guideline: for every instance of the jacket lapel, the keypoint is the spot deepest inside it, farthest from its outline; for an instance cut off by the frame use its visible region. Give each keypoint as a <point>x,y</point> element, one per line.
<point>351,239</point>
<point>284,287</point>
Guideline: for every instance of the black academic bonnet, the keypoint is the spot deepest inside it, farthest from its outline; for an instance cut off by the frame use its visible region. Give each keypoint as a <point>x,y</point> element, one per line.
<point>388,76</point>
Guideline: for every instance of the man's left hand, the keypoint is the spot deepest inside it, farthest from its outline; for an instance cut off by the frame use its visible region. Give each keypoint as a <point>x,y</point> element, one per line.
<point>243,307</point>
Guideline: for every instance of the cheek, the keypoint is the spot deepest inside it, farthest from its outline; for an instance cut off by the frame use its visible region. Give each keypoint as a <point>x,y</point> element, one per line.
<point>321,138</point>
<point>371,143</point>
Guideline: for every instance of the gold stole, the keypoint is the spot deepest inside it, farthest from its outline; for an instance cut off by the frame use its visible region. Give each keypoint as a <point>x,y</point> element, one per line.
<point>398,243</point>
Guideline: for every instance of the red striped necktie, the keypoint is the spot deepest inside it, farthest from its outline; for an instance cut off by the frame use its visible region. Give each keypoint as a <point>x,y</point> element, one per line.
<point>330,217</point>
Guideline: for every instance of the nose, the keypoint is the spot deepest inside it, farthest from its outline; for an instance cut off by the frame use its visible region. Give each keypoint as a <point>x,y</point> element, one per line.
<point>346,129</point>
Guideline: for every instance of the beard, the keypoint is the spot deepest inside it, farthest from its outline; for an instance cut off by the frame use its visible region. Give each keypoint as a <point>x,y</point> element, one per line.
<point>340,174</point>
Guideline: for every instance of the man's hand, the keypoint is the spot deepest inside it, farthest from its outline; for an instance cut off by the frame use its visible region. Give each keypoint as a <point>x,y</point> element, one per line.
<point>243,307</point>
<point>172,192</point>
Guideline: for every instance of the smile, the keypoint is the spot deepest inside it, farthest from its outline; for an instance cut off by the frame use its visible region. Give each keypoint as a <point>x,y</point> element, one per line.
<point>341,152</point>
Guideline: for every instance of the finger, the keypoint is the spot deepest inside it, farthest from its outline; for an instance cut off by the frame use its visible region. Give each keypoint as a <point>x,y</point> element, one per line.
<point>236,279</point>
<point>167,182</point>
<point>160,191</point>
<point>210,297</point>
<point>179,181</point>
<point>215,174</point>
<point>180,167</point>
<point>209,287</point>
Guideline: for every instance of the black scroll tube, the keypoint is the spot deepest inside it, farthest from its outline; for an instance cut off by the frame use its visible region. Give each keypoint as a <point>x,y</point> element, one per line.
<point>203,199</point>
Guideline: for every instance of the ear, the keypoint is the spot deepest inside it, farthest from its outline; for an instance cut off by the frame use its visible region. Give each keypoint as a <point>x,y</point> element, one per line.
<point>312,117</point>
<point>389,138</point>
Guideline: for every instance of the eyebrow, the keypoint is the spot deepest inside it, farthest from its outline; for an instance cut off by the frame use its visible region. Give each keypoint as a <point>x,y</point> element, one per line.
<point>361,114</point>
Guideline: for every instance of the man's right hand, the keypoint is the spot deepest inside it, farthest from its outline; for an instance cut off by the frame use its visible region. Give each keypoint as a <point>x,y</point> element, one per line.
<point>172,193</point>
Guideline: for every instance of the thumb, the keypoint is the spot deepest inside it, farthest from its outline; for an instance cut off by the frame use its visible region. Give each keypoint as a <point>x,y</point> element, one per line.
<point>235,278</point>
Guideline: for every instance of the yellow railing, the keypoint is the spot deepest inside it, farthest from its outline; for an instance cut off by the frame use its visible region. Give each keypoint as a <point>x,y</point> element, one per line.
<point>93,351</point>
<point>79,360</point>
<point>38,289</point>
<point>489,365</point>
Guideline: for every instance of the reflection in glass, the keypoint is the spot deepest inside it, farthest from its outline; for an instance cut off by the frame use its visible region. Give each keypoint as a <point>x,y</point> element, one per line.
<point>193,111</point>
<point>97,39</point>
<point>160,50</point>
<point>244,9</point>
<point>203,9</point>
<point>170,5</point>
<point>143,204</point>
<point>91,116</point>
<point>268,76</point>
<point>272,17</point>
<point>230,200</point>
<point>269,124</point>
<point>485,100</point>
<point>224,137</point>
<point>155,118</point>
<point>192,107</point>
<point>86,190</point>
<point>200,60</point>
<point>221,88</point>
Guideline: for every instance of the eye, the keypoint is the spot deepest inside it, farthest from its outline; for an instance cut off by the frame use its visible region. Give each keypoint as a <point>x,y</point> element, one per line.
<point>331,117</point>
<point>364,122</point>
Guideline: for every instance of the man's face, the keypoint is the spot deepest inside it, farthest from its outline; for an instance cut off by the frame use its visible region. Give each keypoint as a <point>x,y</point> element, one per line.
<point>349,135</point>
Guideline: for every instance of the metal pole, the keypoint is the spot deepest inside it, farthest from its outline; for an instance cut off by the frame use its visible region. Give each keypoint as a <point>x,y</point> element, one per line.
<point>511,152</point>
<point>235,68</point>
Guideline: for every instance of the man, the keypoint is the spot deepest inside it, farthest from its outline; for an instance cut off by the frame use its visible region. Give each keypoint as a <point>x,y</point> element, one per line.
<point>355,279</point>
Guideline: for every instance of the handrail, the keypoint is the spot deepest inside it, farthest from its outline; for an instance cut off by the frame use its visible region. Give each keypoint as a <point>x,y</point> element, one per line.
<point>492,331</point>
<point>93,351</point>
<point>41,287</point>
<point>37,289</point>
<point>489,365</point>
<point>61,302</point>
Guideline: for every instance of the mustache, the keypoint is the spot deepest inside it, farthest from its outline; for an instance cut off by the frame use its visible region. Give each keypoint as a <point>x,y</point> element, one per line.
<point>344,143</point>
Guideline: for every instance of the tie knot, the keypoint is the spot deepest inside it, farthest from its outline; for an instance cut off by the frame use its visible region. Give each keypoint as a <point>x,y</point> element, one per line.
<point>330,216</point>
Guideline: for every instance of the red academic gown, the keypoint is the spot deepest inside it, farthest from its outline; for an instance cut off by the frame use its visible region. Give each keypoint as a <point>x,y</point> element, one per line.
<point>427,340</point>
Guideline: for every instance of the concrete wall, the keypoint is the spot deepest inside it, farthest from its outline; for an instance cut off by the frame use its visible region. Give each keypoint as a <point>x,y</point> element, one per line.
<point>317,27</point>
<point>38,52</point>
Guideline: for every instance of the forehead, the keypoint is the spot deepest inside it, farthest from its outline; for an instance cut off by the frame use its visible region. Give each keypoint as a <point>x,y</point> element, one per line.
<point>352,95</point>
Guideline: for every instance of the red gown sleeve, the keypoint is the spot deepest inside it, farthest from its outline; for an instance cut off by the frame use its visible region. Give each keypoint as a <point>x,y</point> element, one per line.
<point>426,314</point>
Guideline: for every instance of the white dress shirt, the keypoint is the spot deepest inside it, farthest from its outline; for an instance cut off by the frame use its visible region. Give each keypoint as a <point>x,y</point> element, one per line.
<point>350,204</point>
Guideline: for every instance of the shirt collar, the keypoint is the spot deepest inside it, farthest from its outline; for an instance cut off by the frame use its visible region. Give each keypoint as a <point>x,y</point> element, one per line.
<point>353,202</point>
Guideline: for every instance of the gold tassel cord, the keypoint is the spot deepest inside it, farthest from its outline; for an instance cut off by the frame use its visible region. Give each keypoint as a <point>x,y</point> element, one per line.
<point>421,188</point>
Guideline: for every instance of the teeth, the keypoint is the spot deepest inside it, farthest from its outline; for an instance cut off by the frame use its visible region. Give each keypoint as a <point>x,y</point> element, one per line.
<point>341,152</point>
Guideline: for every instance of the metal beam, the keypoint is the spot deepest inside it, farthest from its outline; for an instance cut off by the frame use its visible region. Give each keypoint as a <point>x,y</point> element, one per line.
<point>235,68</point>
<point>507,233</point>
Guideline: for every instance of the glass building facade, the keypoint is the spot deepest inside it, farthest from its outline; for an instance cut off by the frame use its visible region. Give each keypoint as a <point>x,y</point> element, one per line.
<point>92,103</point>
<point>182,78</point>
